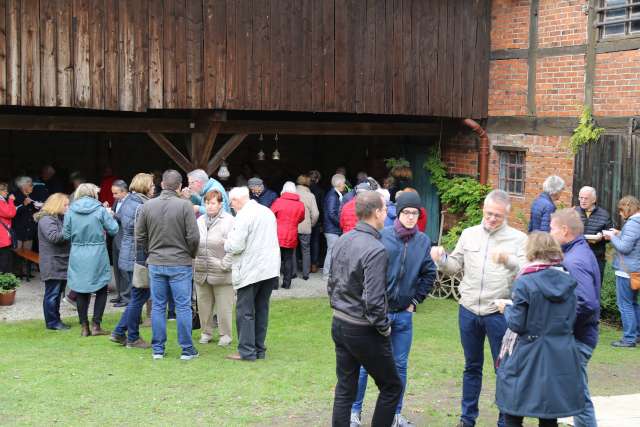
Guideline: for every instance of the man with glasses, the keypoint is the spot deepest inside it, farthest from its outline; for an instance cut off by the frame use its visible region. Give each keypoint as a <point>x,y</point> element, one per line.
<point>410,276</point>
<point>490,254</point>
<point>595,219</point>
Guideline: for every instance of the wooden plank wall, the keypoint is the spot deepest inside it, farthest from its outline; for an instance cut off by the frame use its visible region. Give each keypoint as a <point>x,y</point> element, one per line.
<point>409,57</point>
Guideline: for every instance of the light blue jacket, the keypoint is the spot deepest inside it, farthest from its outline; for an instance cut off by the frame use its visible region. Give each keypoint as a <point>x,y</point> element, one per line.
<point>85,225</point>
<point>212,184</point>
<point>627,245</point>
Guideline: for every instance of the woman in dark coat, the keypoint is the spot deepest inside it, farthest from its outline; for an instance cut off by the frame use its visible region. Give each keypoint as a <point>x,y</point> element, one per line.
<point>54,257</point>
<point>539,365</point>
<point>24,226</point>
<point>289,212</point>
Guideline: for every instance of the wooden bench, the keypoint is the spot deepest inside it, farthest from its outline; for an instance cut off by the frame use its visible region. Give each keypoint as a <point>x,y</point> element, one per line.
<point>32,256</point>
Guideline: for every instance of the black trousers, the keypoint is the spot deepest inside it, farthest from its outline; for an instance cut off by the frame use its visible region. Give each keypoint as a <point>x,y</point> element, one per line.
<point>82,302</point>
<point>363,346</point>
<point>602,264</point>
<point>6,260</point>
<point>286,256</point>
<point>514,421</point>
<point>252,318</point>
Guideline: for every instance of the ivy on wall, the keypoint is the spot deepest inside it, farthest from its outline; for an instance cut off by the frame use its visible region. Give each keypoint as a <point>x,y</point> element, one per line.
<point>586,132</point>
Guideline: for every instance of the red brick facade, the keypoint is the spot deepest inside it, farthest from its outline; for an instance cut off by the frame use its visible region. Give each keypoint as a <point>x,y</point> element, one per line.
<point>560,92</point>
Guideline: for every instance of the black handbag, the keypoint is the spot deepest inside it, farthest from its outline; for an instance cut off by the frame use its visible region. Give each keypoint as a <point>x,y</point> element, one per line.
<point>195,316</point>
<point>12,236</point>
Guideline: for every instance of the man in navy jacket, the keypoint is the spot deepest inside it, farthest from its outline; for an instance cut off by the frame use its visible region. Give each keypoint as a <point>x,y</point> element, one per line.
<point>581,263</point>
<point>410,276</point>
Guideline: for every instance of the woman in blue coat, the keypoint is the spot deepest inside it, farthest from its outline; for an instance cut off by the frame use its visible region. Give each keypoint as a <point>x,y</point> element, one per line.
<point>539,365</point>
<point>544,205</point>
<point>86,224</point>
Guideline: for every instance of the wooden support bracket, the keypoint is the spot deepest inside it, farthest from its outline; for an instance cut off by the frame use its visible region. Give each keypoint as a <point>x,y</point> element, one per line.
<point>225,151</point>
<point>171,151</point>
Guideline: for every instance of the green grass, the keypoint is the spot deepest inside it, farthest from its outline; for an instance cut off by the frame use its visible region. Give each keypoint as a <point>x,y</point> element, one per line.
<point>51,377</point>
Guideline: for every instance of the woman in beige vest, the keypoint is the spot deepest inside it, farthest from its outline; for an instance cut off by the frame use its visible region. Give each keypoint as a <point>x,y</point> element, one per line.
<point>213,270</point>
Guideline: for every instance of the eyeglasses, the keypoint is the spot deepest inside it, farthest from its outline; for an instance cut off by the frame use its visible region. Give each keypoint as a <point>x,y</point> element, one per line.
<point>493,215</point>
<point>409,213</point>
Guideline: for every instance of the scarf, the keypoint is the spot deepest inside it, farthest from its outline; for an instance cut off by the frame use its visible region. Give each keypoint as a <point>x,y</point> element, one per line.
<point>210,220</point>
<point>405,234</point>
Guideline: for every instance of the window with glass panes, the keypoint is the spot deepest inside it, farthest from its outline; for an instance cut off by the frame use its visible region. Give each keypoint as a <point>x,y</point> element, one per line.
<point>618,18</point>
<point>512,172</point>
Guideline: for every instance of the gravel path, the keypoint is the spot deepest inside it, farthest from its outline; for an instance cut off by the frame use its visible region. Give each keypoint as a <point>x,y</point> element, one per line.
<point>28,304</point>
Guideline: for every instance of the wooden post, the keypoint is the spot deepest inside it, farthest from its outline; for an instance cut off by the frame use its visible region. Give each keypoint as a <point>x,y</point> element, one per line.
<point>224,152</point>
<point>171,151</point>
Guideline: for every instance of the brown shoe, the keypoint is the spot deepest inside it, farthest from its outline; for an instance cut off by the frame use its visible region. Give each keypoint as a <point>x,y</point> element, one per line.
<point>85,331</point>
<point>139,343</point>
<point>118,339</point>
<point>314,268</point>
<point>96,330</point>
<point>237,357</point>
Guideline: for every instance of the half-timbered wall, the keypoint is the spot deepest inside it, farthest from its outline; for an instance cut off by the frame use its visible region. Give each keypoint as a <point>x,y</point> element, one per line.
<point>410,57</point>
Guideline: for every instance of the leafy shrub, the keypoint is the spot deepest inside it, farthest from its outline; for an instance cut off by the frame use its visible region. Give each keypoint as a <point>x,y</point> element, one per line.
<point>608,306</point>
<point>8,282</point>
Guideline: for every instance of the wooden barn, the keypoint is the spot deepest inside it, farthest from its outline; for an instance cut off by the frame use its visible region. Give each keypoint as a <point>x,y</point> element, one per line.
<point>141,85</point>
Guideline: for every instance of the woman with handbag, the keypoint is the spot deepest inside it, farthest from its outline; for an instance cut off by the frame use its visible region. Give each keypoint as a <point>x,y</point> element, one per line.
<point>212,274</point>
<point>54,257</point>
<point>86,224</point>
<point>539,360</point>
<point>132,262</point>
<point>627,269</point>
<point>7,212</point>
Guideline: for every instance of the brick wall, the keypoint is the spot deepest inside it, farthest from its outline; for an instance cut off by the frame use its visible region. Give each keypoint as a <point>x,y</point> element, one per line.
<point>508,87</point>
<point>617,84</point>
<point>460,155</point>
<point>510,24</point>
<point>560,85</point>
<point>561,23</point>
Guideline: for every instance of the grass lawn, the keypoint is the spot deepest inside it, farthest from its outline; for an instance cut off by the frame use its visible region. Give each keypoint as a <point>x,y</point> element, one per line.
<point>49,377</point>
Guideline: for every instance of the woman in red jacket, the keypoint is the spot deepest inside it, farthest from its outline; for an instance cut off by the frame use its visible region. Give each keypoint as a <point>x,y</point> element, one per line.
<point>289,212</point>
<point>7,212</point>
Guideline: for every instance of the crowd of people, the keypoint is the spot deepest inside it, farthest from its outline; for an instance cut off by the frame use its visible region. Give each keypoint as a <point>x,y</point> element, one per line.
<point>535,297</point>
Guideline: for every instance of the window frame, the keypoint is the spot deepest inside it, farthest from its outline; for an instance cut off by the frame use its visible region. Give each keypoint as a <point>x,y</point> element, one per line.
<point>506,180</point>
<point>627,21</point>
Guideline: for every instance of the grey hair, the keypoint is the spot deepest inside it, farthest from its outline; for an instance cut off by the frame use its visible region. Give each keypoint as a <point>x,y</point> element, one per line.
<point>553,185</point>
<point>121,185</point>
<point>239,193</point>
<point>289,187</point>
<point>86,189</point>
<point>385,194</point>
<point>500,197</point>
<point>171,180</point>
<point>198,175</point>
<point>337,179</point>
<point>570,218</point>
<point>21,181</point>
<point>367,203</point>
<point>590,190</point>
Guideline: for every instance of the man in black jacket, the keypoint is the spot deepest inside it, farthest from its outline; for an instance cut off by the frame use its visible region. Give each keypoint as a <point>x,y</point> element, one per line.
<point>361,328</point>
<point>595,219</point>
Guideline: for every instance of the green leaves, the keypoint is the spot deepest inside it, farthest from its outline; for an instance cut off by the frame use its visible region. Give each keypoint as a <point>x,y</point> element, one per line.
<point>585,133</point>
<point>400,162</point>
<point>8,282</point>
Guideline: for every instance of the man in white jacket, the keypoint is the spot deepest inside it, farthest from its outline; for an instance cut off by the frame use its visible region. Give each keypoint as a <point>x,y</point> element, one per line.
<point>253,242</point>
<point>490,254</point>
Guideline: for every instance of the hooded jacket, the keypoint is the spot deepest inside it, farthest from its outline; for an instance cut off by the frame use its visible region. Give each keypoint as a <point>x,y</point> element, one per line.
<point>289,212</point>
<point>483,280</point>
<point>85,225</point>
<point>540,378</point>
<point>212,184</point>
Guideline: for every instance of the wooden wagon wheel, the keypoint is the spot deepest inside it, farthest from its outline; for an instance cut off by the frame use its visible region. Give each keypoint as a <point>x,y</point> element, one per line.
<point>441,288</point>
<point>454,282</point>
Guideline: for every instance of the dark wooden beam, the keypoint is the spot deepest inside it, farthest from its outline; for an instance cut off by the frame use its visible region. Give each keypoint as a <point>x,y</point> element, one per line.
<point>590,58</point>
<point>210,139</point>
<point>225,151</point>
<point>96,124</point>
<point>532,60</point>
<point>328,128</point>
<point>540,53</point>
<point>607,46</point>
<point>551,126</point>
<point>171,151</point>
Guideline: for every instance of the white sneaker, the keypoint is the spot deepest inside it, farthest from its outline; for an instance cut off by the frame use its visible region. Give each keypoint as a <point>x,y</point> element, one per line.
<point>355,420</point>
<point>205,339</point>
<point>158,356</point>
<point>400,421</point>
<point>225,340</point>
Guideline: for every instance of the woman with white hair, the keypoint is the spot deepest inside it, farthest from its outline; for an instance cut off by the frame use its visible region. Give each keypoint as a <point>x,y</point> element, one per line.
<point>544,205</point>
<point>289,212</point>
<point>86,224</point>
<point>24,226</point>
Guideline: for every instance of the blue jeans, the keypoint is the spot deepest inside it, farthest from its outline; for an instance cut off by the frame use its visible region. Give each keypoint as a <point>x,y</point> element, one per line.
<point>401,338</point>
<point>588,417</point>
<point>51,302</point>
<point>331,240</point>
<point>473,329</point>
<point>129,323</point>
<point>627,301</point>
<point>178,279</point>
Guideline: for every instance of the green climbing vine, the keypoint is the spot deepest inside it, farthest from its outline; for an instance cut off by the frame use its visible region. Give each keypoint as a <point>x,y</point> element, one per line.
<point>586,132</point>
<point>461,194</point>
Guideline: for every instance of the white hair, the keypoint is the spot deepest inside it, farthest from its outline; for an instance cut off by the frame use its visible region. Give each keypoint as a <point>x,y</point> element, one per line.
<point>239,193</point>
<point>198,175</point>
<point>289,187</point>
<point>385,194</point>
<point>553,185</point>
<point>590,190</point>
<point>337,180</point>
<point>500,197</point>
<point>21,181</point>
